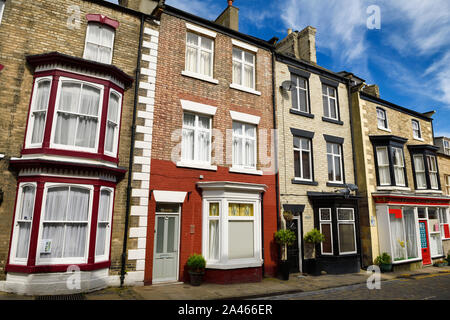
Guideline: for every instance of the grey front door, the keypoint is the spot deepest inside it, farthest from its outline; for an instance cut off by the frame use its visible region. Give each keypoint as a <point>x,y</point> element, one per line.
<point>165,258</point>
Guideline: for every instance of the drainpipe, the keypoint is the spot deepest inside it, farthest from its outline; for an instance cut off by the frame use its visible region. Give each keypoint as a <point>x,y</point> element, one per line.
<point>277,178</point>
<point>130,164</point>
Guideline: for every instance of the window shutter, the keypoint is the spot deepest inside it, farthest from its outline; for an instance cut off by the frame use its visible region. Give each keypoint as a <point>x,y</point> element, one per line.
<point>294,94</point>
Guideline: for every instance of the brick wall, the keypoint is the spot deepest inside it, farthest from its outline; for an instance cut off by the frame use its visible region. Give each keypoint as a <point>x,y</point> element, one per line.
<point>28,28</point>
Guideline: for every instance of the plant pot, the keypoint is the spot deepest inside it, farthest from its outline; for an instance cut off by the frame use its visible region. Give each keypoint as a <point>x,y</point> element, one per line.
<point>385,267</point>
<point>285,267</point>
<point>196,278</point>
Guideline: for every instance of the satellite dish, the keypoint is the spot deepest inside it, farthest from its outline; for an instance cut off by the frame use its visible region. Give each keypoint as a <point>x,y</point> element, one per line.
<point>288,85</point>
<point>352,187</point>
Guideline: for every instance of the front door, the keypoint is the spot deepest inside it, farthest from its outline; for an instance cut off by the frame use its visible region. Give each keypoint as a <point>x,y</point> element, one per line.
<point>424,242</point>
<point>165,258</point>
<point>294,250</point>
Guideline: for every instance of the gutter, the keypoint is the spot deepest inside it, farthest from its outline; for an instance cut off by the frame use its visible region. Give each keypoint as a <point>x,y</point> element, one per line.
<point>130,164</point>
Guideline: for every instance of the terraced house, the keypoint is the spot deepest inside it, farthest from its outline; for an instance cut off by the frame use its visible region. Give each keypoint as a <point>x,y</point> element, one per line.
<point>405,212</point>
<point>315,155</point>
<point>67,102</point>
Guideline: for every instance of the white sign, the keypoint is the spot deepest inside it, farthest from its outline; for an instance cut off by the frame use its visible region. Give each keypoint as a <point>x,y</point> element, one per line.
<point>46,246</point>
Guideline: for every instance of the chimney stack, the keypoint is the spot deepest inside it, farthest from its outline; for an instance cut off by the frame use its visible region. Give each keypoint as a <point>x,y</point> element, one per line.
<point>373,90</point>
<point>301,44</point>
<point>144,6</point>
<point>229,17</point>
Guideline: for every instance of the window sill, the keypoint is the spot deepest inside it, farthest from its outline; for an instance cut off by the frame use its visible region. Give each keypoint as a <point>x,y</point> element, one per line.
<point>333,121</point>
<point>199,77</point>
<point>407,261</point>
<point>392,188</point>
<point>429,191</point>
<point>385,129</point>
<point>250,263</point>
<point>246,171</point>
<point>196,166</point>
<point>419,139</point>
<point>301,113</point>
<point>245,89</point>
<point>304,182</point>
<point>336,185</point>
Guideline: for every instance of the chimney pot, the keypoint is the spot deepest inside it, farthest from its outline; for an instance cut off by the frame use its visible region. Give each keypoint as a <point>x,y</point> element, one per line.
<point>230,3</point>
<point>289,31</point>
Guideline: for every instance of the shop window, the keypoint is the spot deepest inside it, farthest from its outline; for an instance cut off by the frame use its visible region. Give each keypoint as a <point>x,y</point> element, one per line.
<point>346,231</point>
<point>326,228</point>
<point>403,234</point>
<point>444,221</point>
<point>435,233</point>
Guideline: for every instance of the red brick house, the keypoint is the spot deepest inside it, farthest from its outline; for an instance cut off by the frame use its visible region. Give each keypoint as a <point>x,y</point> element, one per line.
<point>212,187</point>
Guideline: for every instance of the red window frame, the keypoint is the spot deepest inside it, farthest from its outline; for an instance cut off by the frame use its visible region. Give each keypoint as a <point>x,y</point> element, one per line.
<point>46,147</point>
<point>31,266</point>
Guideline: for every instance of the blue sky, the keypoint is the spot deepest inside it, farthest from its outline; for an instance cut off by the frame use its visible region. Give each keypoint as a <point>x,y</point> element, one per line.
<point>408,57</point>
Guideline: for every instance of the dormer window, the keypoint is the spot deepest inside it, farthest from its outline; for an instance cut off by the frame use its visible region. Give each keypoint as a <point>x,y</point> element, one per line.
<point>99,43</point>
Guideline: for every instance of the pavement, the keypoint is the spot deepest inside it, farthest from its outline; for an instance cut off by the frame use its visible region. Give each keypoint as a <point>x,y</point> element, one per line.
<point>267,287</point>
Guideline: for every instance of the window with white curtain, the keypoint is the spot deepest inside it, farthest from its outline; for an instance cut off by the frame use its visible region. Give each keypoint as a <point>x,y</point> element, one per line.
<point>65,219</point>
<point>99,43</point>
<point>38,112</point>
<point>403,235</point>
<point>23,224</point>
<point>334,157</point>
<point>302,158</point>
<point>432,168</point>
<point>196,139</point>
<point>243,68</point>
<point>213,252</point>
<point>326,228</point>
<point>383,166</point>
<point>244,145</point>
<point>399,167</point>
<point>199,54</point>
<point>103,224</point>
<point>382,119</point>
<point>419,168</point>
<point>417,134</point>
<point>112,123</point>
<point>77,116</point>
<point>330,106</point>
<point>346,230</point>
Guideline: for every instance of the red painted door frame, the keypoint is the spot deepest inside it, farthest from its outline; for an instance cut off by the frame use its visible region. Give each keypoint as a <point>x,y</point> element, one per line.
<point>426,255</point>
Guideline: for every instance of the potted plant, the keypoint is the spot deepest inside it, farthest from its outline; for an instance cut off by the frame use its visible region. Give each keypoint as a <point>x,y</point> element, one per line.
<point>384,261</point>
<point>440,263</point>
<point>285,238</point>
<point>288,216</point>
<point>196,265</point>
<point>313,238</point>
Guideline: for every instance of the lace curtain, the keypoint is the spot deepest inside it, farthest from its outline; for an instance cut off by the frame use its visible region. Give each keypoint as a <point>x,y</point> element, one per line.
<point>99,43</point>
<point>103,222</point>
<point>24,221</point>
<point>40,110</point>
<point>111,127</point>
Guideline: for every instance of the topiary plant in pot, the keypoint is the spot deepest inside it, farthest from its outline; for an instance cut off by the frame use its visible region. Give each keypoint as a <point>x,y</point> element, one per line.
<point>196,265</point>
<point>313,238</point>
<point>384,261</point>
<point>285,238</point>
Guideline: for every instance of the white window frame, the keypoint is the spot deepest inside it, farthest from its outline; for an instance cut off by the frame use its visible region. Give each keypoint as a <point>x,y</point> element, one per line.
<point>30,128</point>
<point>301,150</point>
<point>101,26</point>
<point>443,212</point>
<point>306,90</point>
<point>199,48</point>
<point>15,238</point>
<point>446,144</point>
<point>243,63</point>
<point>420,172</point>
<point>329,97</point>
<point>447,182</point>
<point>382,116</point>
<point>224,262</point>
<point>351,222</point>
<point>431,161</point>
<point>105,256</point>
<point>54,145</point>
<point>56,261</point>
<point>399,166</point>
<point>196,129</point>
<point>2,9</point>
<point>416,130</point>
<point>208,220</point>
<point>384,166</point>
<point>329,222</point>
<point>333,155</point>
<point>245,138</point>
<point>117,129</point>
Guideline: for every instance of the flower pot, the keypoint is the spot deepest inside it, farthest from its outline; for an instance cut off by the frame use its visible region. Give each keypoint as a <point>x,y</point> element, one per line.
<point>196,278</point>
<point>285,267</point>
<point>386,267</point>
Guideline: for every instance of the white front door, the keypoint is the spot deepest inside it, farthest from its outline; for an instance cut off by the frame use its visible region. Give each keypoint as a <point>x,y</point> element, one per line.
<point>165,257</point>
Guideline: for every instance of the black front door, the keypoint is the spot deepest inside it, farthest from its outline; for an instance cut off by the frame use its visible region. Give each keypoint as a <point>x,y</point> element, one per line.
<point>293,251</point>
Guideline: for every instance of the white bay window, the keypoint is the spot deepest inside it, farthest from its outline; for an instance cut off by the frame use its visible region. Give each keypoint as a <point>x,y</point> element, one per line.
<point>38,112</point>
<point>112,123</point>
<point>103,224</point>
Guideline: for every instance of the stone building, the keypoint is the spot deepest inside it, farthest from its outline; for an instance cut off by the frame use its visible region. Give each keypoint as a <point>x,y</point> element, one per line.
<point>443,158</point>
<point>404,210</point>
<point>315,156</point>
<point>67,97</point>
